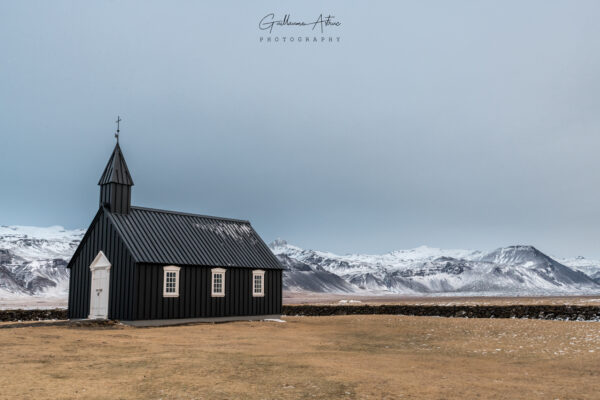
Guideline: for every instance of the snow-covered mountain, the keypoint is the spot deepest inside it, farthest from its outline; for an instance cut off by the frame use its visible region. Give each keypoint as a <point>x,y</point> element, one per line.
<point>585,265</point>
<point>513,270</point>
<point>33,260</point>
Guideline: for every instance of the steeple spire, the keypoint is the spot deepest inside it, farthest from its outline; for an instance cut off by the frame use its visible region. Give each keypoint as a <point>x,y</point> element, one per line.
<point>116,170</point>
<point>115,182</point>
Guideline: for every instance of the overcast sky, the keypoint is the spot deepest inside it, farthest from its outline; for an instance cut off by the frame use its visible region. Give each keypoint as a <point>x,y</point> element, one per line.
<point>455,124</point>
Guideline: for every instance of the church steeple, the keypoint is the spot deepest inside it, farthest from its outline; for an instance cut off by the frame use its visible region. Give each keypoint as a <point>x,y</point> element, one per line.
<point>115,184</point>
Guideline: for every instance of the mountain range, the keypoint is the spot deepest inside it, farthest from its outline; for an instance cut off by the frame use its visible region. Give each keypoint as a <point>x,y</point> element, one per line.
<point>512,270</point>
<point>33,263</point>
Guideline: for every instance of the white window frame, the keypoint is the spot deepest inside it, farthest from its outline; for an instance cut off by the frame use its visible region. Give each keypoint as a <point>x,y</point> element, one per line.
<point>166,269</point>
<point>214,272</point>
<point>261,273</point>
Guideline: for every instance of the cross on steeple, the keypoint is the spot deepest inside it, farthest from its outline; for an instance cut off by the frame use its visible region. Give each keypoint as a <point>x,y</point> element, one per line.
<point>118,121</point>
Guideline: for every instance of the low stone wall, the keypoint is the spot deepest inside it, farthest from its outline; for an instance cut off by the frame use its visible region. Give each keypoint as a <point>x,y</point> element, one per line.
<point>580,313</point>
<point>564,312</point>
<point>32,315</point>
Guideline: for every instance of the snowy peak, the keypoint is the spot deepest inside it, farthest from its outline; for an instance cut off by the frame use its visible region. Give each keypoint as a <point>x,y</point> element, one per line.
<point>423,253</point>
<point>278,243</point>
<point>49,233</point>
<point>33,260</point>
<point>34,242</point>
<point>585,265</point>
<point>515,255</point>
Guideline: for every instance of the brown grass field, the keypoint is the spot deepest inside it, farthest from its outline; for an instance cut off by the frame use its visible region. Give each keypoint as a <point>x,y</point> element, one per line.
<point>342,357</point>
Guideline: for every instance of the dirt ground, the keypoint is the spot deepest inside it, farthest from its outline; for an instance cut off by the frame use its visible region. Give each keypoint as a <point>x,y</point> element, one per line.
<point>353,357</point>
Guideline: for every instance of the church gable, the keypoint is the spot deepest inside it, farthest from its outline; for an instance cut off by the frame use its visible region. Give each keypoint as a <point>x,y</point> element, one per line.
<point>98,236</point>
<point>102,236</point>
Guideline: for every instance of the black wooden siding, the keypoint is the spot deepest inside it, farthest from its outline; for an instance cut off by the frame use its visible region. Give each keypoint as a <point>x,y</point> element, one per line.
<point>116,197</point>
<point>102,236</point>
<point>195,299</point>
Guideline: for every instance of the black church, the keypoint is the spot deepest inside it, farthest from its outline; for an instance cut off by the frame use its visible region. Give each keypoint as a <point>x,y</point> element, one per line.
<point>142,265</point>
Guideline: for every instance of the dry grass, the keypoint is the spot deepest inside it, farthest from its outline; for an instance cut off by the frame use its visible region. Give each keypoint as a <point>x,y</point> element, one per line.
<point>363,357</point>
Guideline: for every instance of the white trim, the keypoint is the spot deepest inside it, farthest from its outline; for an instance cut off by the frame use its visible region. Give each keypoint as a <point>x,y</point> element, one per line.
<point>100,262</point>
<point>166,269</point>
<point>261,273</point>
<point>216,271</point>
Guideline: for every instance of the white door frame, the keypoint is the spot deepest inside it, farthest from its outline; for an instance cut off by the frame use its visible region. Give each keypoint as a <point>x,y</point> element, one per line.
<point>100,263</point>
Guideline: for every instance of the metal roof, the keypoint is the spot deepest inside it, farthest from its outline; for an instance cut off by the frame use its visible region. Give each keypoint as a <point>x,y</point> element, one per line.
<point>116,170</point>
<point>168,237</point>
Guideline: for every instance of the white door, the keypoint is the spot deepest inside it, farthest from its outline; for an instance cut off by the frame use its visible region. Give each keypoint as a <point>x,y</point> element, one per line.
<point>100,269</point>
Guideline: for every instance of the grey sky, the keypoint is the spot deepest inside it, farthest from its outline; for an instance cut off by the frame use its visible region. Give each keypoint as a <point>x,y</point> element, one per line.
<point>468,124</point>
